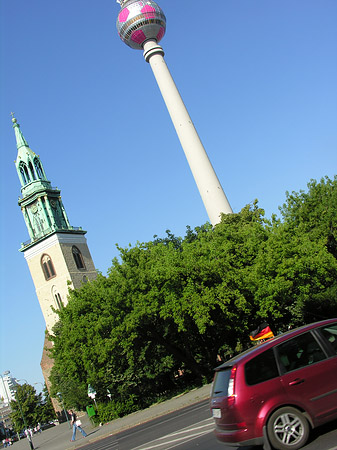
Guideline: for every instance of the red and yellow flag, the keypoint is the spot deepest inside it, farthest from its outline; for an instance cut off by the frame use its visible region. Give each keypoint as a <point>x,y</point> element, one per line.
<point>262,332</point>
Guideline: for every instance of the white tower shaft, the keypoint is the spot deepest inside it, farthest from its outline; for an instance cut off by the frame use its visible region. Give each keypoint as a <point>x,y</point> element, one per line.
<point>209,186</point>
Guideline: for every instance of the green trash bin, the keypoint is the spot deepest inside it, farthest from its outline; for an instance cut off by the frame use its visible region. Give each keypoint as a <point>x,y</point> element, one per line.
<point>91,411</point>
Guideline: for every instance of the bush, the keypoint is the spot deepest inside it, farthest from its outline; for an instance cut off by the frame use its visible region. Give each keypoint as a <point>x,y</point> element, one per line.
<point>115,409</point>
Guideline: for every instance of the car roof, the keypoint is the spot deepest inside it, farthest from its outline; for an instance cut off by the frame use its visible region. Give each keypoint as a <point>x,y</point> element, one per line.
<point>247,354</point>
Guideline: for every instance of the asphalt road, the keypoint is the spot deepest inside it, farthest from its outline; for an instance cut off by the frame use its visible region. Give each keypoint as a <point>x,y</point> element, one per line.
<point>191,428</point>
<point>182,423</point>
<point>177,429</point>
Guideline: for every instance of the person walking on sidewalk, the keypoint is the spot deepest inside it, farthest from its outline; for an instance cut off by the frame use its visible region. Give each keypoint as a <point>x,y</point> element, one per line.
<point>76,423</point>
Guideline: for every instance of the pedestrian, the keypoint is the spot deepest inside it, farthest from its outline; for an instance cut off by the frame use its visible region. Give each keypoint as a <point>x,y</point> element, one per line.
<point>76,423</point>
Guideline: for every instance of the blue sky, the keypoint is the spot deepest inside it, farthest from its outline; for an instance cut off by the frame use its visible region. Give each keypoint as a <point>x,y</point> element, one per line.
<point>257,76</point>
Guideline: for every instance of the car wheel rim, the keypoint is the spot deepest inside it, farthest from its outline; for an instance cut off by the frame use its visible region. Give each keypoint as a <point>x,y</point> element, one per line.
<point>288,429</point>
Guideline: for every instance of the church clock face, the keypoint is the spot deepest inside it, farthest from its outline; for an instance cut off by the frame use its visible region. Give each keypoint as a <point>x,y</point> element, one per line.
<point>53,204</point>
<point>34,209</point>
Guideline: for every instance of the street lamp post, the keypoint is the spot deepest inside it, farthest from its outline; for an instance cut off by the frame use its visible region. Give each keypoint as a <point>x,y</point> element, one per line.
<point>65,412</point>
<point>24,420</point>
<point>39,382</point>
<point>41,401</point>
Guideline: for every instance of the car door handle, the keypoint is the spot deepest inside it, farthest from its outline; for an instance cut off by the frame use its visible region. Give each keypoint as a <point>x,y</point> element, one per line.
<point>296,381</point>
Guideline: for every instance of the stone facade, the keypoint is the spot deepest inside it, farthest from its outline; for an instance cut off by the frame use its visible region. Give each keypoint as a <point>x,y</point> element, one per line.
<point>57,253</point>
<point>58,247</point>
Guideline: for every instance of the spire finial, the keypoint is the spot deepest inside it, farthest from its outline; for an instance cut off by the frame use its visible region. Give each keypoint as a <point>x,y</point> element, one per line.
<point>13,118</point>
<point>20,140</point>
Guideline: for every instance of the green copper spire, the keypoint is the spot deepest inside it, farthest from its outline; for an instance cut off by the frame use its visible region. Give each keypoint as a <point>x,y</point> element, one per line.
<point>20,140</point>
<point>28,164</point>
<point>41,204</point>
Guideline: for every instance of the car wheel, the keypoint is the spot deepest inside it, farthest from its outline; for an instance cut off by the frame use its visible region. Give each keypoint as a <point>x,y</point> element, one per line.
<point>288,429</point>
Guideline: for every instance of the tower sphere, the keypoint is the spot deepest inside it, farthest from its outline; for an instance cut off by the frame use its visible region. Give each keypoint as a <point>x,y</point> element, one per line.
<point>139,21</point>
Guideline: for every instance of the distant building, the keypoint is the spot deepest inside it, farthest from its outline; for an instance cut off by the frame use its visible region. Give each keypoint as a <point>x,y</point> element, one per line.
<point>57,253</point>
<point>5,420</point>
<point>7,388</point>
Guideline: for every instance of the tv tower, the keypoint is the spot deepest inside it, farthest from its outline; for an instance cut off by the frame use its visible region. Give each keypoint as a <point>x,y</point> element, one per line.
<point>141,24</point>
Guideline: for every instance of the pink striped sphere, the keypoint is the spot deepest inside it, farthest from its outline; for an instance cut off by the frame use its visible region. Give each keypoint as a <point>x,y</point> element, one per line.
<point>139,21</point>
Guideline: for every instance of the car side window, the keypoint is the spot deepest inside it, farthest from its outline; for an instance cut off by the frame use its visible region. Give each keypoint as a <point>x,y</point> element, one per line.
<point>301,351</point>
<point>330,334</point>
<point>261,368</point>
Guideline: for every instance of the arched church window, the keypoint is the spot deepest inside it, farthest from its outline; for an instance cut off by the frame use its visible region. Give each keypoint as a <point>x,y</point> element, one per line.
<point>47,267</point>
<point>23,176</point>
<point>78,258</point>
<point>24,173</point>
<point>57,298</point>
<point>31,169</point>
<point>25,168</point>
<point>38,168</point>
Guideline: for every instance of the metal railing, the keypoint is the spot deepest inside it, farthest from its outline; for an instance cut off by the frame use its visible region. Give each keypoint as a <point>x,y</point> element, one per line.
<point>48,231</point>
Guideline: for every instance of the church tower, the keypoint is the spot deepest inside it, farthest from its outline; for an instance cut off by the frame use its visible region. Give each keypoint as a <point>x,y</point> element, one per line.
<point>57,253</point>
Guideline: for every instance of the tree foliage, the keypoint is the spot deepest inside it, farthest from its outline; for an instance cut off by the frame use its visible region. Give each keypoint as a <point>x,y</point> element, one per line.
<point>297,272</point>
<point>29,408</point>
<point>47,412</point>
<point>170,308</point>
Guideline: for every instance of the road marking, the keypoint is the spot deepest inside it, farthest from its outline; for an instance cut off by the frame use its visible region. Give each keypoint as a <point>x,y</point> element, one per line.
<point>192,408</point>
<point>181,436</point>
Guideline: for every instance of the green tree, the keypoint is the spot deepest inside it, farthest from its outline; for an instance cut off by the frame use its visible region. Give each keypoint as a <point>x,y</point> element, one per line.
<point>314,212</point>
<point>167,307</point>
<point>46,411</point>
<point>26,408</point>
<point>296,274</point>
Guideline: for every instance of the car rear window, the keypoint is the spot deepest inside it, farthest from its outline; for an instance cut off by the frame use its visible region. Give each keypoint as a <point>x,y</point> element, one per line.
<point>261,368</point>
<point>330,333</point>
<point>301,351</point>
<point>220,383</point>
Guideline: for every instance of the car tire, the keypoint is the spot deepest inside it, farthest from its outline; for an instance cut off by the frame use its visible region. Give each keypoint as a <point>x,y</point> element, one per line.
<point>288,429</point>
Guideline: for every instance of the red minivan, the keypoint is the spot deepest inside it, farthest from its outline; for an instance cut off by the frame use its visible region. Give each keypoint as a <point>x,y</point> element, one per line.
<point>275,392</point>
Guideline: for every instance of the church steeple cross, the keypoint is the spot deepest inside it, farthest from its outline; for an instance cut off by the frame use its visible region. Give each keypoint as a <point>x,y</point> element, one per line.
<point>13,118</point>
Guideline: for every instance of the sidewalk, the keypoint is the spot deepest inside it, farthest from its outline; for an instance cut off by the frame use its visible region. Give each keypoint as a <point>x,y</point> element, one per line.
<point>58,438</point>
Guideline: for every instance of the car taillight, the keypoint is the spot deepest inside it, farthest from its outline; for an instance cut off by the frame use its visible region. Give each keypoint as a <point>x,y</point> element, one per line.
<point>231,387</point>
